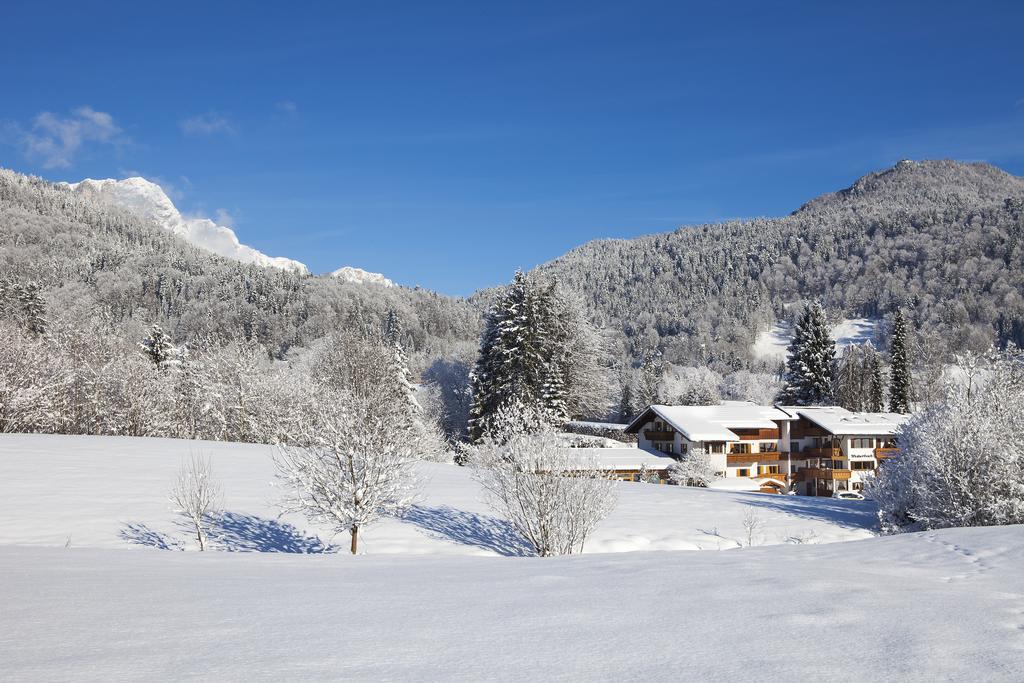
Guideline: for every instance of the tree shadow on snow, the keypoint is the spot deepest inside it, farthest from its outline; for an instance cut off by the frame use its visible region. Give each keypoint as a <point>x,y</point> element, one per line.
<point>481,531</point>
<point>248,533</point>
<point>233,532</point>
<point>852,514</point>
<point>140,534</point>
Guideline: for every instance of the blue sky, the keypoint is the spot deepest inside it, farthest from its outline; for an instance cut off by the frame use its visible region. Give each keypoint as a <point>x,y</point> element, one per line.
<point>446,144</point>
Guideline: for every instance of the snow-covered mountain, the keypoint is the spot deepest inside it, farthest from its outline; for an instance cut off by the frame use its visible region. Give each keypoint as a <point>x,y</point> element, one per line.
<point>148,200</point>
<point>360,276</point>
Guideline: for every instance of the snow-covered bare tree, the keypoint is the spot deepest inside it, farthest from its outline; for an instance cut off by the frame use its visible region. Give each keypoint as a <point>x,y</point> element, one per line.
<point>691,386</point>
<point>347,460</point>
<point>197,496</point>
<point>960,462</point>
<point>744,385</point>
<point>552,497</point>
<point>692,469</point>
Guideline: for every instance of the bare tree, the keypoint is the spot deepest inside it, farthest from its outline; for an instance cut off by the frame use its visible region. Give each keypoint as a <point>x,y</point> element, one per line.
<point>553,499</point>
<point>197,496</point>
<point>347,461</point>
<point>752,524</point>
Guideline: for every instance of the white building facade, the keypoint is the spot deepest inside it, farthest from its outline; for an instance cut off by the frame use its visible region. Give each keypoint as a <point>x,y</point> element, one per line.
<point>808,450</point>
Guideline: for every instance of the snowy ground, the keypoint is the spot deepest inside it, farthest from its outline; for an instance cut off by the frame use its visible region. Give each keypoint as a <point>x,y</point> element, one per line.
<point>773,342</point>
<point>944,605</point>
<point>111,492</point>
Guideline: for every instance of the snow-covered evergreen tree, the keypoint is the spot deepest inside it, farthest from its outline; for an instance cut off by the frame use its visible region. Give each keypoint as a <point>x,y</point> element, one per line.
<point>535,351</point>
<point>899,366</point>
<point>33,307</point>
<point>876,391</point>
<point>158,348</point>
<point>810,366</point>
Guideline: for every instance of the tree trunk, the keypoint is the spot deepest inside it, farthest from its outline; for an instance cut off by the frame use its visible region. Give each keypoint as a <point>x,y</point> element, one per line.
<point>355,539</point>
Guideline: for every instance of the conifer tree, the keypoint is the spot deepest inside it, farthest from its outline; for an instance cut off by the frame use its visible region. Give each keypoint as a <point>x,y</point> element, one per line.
<point>810,367</point>
<point>899,364</point>
<point>851,388</point>
<point>876,394</point>
<point>158,348</point>
<point>531,353</point>
<point>33,308</point>
<point>510,364</point>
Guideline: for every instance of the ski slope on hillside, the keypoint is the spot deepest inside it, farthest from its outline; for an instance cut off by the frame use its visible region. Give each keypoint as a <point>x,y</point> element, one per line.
<point>772,343</point>
<point>110,492</point>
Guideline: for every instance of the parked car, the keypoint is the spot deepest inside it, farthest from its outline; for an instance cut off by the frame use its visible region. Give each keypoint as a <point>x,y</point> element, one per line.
<point>848,495</point>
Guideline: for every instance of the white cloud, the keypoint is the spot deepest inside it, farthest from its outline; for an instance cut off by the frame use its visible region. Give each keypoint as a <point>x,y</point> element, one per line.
<point>287,107</point>
<point>210,123</point>
<point>224,217</point>
<point>54,140</point>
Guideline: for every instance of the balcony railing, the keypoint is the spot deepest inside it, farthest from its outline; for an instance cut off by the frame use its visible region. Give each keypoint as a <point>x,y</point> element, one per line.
<point>822,452</point>
<point>824,473</point>
<point>763,456</point>
<point>652,435</point>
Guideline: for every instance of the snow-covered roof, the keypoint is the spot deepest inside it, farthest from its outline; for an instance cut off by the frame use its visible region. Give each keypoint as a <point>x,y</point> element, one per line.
<point>743,484</point>
<point>621,458</point>
<point>613,426</point>
<point>713,423</point>
<point>841,421</point>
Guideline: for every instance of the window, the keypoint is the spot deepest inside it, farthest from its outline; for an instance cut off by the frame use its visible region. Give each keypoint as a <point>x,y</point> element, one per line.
<point>716,447</point>
<point>794,446</point>
<point>740,448</point>
<point>858,486</point>
<point>862,443</point>
<point>743,472</point>
<point>768,469</point>
<point>862,465</point>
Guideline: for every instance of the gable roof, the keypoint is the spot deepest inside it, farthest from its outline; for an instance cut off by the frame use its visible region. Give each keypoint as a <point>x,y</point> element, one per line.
<point>841,422</point>
<point>712,423</point>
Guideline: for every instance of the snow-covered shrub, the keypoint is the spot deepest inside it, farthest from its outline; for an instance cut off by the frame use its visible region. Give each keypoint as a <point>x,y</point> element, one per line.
<point>960,461</point>
<point>692,469</point>
<point>552,498</point>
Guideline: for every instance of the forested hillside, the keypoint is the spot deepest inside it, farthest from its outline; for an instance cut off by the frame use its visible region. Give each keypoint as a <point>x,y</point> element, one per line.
<point>942,238</point>
<point>98,265</point>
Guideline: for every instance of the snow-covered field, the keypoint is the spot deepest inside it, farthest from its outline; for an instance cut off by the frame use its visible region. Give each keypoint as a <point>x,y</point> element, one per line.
<point>86,596</point>
<point>111,492</point>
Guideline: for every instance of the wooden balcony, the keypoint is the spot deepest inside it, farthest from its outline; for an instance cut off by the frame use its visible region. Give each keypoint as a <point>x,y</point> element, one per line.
<point>742,458</point>
<point>756,434</point>
<point>652,435</point>
<point>883,453</point>
<point>771,455</point>
<point>777,476</point>
<point>824,452</point>
<point>824,473</point>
